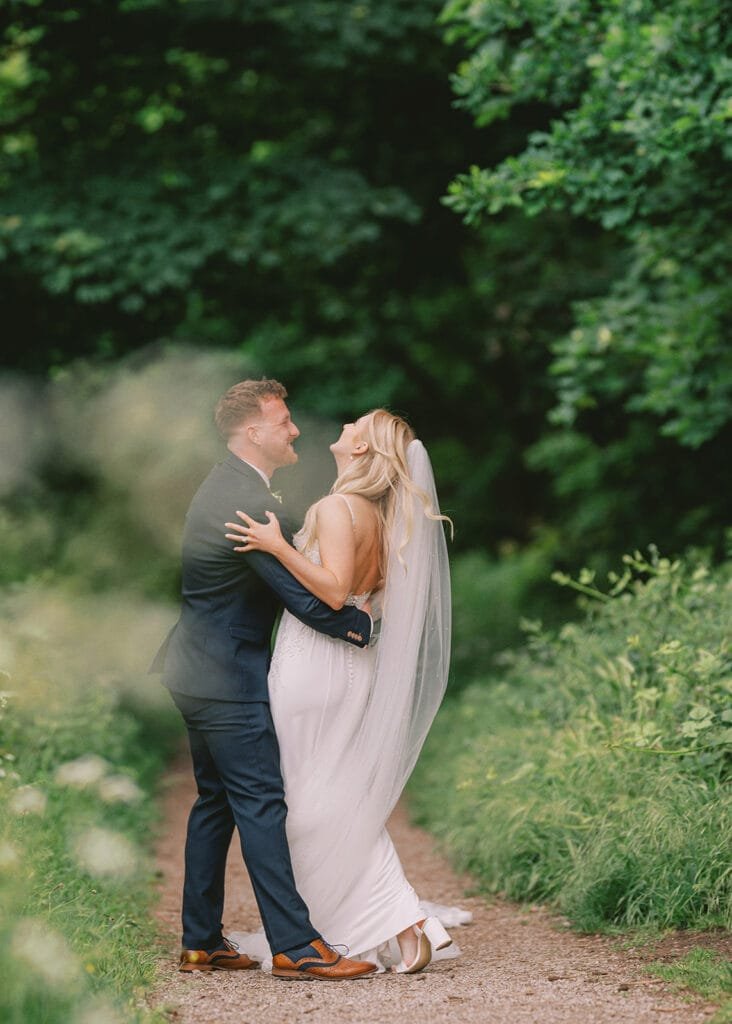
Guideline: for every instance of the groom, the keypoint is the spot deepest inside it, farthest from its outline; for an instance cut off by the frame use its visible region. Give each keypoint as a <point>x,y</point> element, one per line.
<point>215,664</point>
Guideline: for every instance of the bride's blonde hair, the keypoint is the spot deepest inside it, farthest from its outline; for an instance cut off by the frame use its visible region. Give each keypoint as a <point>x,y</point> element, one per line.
<point>381,474</point>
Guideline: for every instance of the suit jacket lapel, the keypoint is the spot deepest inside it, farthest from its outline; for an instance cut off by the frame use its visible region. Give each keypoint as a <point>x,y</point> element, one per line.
<point>245,469</point>
<point>254,480</point>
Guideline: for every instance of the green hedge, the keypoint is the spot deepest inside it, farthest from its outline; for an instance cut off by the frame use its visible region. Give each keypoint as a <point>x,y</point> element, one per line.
<point>593,770</point>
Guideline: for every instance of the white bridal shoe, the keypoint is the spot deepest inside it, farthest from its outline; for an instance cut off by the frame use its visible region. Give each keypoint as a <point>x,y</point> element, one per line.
<point>430,936</point>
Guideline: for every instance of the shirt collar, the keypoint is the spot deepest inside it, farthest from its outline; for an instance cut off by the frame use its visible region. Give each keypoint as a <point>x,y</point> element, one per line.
<point>258,470</point>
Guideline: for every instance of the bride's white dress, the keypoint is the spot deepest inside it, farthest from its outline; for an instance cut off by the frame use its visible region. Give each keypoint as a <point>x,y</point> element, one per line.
<point>345,864</point>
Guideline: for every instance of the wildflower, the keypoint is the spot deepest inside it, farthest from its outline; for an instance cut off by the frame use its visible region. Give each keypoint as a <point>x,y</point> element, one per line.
<point>83,772</point>
<point>119,789</point>
<point>105,853</point>
<point>97,1011</point>
<point>28,800</point>
<point>9,856</point>
<point>604,337</point>
<point>45,952</point>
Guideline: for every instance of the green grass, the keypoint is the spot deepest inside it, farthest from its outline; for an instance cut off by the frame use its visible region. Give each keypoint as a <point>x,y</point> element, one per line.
<point>591,769</point>
<point>705,972</point>
<point>76,878</point>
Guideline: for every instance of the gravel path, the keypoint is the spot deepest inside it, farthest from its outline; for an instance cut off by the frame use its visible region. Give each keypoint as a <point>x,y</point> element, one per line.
<point>519,966</point>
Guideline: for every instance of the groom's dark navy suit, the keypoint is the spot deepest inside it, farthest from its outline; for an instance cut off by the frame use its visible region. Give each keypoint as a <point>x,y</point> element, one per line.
<point>215,662</point>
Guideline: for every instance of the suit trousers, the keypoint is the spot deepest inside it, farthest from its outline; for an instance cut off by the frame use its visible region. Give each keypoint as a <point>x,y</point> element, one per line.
<point>236,764</point>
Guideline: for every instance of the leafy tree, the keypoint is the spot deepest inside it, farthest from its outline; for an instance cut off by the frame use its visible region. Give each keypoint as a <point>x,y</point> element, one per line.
<point>638,136</point>
<point>267,176</point>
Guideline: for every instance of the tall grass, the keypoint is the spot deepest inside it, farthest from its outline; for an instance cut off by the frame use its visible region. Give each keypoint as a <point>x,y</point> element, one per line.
<point>83,738</point>
<point>592,771</point>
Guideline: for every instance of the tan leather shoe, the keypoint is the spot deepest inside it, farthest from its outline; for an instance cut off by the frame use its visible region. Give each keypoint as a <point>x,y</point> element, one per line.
<point>329,966</point>
<point>229,959</point>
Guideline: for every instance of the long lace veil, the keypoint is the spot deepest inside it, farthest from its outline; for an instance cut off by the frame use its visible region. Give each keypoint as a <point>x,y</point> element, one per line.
<point>413,650</point>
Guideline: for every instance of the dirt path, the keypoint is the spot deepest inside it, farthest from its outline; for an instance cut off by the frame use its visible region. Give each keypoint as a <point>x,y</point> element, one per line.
<point>518,966</point>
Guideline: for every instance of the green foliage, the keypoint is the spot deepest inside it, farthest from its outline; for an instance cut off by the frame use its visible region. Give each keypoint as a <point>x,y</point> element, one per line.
<point>98,501</point>
<point>81,750</point>
<point>593,771</point>
<point>219,150</point>
<point>90,539</point>
<point>235,176</point>
<point>490,598</point>
<point>635,133</point>
<point>28,538</point>
<point>703,971</point>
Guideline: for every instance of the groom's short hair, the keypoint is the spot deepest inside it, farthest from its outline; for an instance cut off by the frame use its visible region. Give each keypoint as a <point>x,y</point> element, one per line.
<point>242,401</point>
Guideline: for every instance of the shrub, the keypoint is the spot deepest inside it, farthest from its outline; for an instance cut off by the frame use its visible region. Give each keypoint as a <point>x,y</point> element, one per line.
<point>592,772</point>
<point>490,597</point>
<point>82,742</point>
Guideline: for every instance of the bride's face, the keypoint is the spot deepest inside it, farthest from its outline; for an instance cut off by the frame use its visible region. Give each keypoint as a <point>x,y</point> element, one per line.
<point>353,436</point>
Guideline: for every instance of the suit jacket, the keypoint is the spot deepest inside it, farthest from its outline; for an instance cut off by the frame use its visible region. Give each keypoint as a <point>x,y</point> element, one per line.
<point>220,646</point>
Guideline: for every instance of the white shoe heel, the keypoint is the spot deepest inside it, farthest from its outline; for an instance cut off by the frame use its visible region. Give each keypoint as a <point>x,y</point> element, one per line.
<point>439,937</point>
<point>430,936</point>
<point>423,957</point>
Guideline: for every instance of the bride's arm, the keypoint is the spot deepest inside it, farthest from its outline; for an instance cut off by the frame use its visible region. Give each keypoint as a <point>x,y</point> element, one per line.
<point>331,581</point>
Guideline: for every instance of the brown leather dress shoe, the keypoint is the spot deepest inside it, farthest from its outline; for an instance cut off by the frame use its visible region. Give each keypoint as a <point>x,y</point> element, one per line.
<point>329,966</point>
<point>229,959</point>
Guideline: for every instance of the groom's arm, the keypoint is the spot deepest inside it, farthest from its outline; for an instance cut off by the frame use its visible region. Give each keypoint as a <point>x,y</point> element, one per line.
<point>349,623</point>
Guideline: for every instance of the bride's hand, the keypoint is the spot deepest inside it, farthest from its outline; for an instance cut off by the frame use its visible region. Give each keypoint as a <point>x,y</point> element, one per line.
<point>256,536</point>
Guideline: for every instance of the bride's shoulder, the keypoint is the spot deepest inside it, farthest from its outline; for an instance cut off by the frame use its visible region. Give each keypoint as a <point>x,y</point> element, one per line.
<point>364,507</point>
<point>330,501</point>
<point>361,511</point>
<point>333,506</point>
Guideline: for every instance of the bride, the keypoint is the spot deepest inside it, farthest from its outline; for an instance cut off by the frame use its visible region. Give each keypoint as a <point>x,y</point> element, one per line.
<point>351,722</point>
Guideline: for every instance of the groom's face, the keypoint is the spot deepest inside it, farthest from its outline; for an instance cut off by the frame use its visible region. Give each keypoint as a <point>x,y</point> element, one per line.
<point>276,432</point>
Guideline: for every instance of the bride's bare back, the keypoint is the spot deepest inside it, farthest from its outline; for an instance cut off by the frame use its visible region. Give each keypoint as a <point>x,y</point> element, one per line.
<point>348,534</point>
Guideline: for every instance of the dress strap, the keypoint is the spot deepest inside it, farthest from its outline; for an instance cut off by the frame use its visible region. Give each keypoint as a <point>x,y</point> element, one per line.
<point>350,508</point>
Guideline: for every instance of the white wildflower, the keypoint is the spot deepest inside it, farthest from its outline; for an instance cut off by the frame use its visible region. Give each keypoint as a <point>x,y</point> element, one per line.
<point>105,853</point>
<point>28,800</point>
<point>98,1011</point>
<point>604,337</point>
<point>119,789</point>
<point>9,856</point>
<point>45,952</point>
<point>82,772</point>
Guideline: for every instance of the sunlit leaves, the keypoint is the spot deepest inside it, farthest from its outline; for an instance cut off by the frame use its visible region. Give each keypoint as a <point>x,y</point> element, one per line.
<point>639,142</point>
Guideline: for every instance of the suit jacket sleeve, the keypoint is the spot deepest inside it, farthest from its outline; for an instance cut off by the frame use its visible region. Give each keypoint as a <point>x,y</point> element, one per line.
<point>349,623</point>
